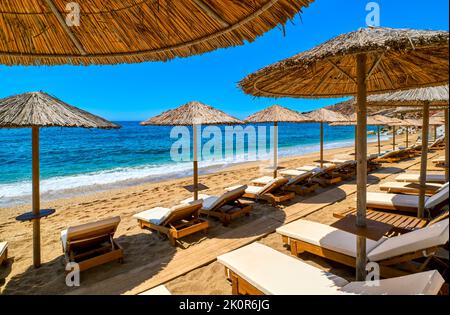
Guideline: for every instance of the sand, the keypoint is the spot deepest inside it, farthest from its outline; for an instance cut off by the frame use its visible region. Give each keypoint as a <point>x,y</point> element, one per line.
<point>140,246</point>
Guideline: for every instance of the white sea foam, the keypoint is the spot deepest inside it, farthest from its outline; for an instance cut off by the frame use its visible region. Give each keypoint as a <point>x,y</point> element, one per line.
<point>64,186</point>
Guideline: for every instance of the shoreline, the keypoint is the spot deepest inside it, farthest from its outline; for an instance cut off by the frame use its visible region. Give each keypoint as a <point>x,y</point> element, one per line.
<point>211,168</point>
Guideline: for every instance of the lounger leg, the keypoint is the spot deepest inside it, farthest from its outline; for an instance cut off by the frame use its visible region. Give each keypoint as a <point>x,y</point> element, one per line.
<point>234,285</point>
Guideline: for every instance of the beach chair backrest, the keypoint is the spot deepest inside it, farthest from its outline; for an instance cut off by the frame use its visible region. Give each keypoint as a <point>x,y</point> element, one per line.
<point>418,240</point>
<point>273,185</point>
<point>228,197</point>
<point>183,211</point>
<point>91,233</point>
<point>439,198</point>
<point>299,178</point>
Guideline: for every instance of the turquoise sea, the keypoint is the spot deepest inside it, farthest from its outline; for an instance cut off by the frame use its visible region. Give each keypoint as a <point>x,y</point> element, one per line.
<point>76,161</point>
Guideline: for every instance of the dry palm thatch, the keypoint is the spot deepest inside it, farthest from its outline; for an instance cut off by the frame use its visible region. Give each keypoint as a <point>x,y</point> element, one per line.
<point>435,96</point>
<point>192,113</point>
<point>129,31</point>
<point>396,59</point>
<point>277,113</point>
<point>326,115</point>
<point>38,109</point>
<point>371,121</point>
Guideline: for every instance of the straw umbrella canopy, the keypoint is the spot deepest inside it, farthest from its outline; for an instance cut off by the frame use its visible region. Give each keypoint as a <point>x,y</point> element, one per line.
<point>436,96</point>
<point>39,110</point>
<point>323,115</point>
<point>193,114</point>
<point>130,31</point>
<point>369,60</point>
<point>276,114</point>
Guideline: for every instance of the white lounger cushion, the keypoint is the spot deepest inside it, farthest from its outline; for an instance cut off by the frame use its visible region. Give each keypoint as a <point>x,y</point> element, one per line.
<point>293,172</point>
<point>415,178</point>
<point>3,247</point>
<point>155,215</point>
<point>159,290</point>
<point>423,283</point>
<point>386,199</point>
<point>438,198</point>
<point>272,272</point>
<point>324,236</point>
<point>264,180</point>
<point>310,168</point>
<point>208,201</point>
<point>427,237</point>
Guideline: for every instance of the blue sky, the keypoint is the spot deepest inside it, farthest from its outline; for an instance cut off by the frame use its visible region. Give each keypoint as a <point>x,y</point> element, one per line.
<point>139,91</point>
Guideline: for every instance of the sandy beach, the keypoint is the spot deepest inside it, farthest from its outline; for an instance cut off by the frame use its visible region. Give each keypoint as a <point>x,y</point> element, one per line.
<point>141,247</point>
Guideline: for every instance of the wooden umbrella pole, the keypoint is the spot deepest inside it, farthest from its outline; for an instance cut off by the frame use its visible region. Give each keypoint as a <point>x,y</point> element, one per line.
<point>379,140</point>
<point>275,149</point>
<point>446,144</point>
<point>356,141</point>
<point>407,136</point>
<point>361,173</point>
<point>195,148</point>
<point>435,133</point>
<point>424,159</point>
<point>36,197</point>
<point>321,144</point>
<point>393,138</point>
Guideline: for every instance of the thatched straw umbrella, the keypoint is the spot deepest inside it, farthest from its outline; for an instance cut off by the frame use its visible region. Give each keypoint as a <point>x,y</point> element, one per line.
<point>323,115</point>
<point>193,114</point>
<point>131,31</point>
<point>436,96</point>
<point>38,110</point>
<point>276,114</point>
<point>370,60</point>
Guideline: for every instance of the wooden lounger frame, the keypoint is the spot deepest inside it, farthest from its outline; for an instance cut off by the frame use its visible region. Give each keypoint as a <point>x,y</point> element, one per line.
<point>228,211</point>
<point>100,247</point>
<point>179,224</point>
<point>414,190</point>
<point>400,223</point>
<point>302,188</point>
<point>239,286</point>
<point>273,198</point>
<point>387,269</point>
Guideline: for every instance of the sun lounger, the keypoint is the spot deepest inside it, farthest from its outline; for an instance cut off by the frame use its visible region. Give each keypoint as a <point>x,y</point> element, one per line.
<point>409,188</point>
<point>159,290</point>
<point>407,203</point>
<point>390,253</point>
<point>256,269</point>
<point>415,178</point>
<point>271,192</point>
<point>394,156</point>
<point>299,181</point>
<point>92,244</point>
<point>326,176</point>
<point>226,207</point>
<point>176,222</point>
<point>3,252</point>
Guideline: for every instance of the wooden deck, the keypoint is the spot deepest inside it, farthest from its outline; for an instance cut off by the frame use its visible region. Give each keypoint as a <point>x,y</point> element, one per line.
<point>206,252</point>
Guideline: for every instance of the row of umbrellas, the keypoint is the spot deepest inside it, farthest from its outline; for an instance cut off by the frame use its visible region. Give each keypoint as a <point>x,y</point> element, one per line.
<point>36,110</point>
<point>367,61</point>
